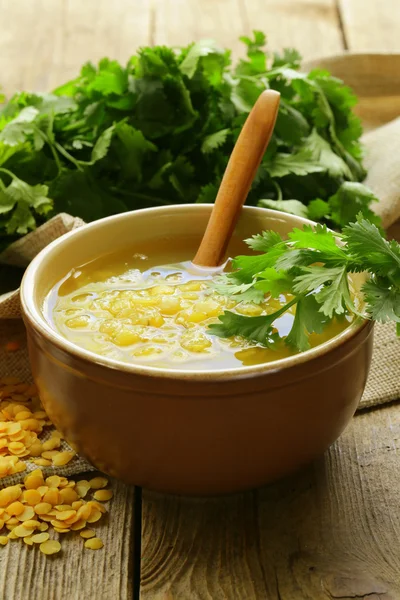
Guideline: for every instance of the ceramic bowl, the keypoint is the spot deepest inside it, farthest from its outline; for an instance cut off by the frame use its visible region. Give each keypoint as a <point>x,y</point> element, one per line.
<point>188,432</point>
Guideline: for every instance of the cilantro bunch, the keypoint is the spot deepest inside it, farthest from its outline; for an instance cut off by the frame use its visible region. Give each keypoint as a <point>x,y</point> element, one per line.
<point>160,130</point>
<point>313,268</point>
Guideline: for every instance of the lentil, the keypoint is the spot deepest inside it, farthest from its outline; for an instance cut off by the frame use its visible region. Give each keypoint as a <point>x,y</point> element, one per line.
<point>87,533</point>
<point>94,544</point>
<point>103,495</point>
<point>63,458</point>
<point>98,482</point>
<point>39,538</point>
<point>50,547</point>
<point>27,510</point>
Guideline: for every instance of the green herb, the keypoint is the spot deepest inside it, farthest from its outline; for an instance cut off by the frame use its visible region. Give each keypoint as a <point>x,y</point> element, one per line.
<point>313,268</point>
<point>160,130</point>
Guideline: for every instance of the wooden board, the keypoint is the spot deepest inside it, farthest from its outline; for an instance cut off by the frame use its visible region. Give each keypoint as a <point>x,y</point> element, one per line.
<point>310,26</point>
<point>329,532</point>
<point>44,43</point>
<point>371,25</point>
<point>76,572</point>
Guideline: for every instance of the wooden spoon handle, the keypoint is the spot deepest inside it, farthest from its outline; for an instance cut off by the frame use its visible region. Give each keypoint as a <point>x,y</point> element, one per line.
<point>238,177</point>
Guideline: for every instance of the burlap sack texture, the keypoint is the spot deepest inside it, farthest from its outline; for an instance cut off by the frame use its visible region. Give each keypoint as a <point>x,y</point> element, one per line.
<point>11,328</point>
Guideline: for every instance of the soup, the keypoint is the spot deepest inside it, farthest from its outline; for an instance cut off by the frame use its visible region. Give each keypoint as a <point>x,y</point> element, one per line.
<point>127,307</point>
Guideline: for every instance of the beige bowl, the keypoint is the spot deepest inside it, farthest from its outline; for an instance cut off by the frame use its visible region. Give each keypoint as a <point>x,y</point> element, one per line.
<point>191,432</point>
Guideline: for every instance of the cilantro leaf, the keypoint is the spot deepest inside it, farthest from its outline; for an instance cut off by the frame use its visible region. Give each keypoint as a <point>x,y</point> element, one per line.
<point>289,56</point>
<point>102,145</point>
<point>262,242</point>
<point>314,277</point>
<point>319,238</point>
<point>318,209</point>
<point>350,199</point>
<point>214,141</point>
<point>243,292</point>
<point>273,282</point>
<point>366,244</point>
<point>16,131</point>
<point>191,61</point>
<point>160,129</point>
<point>307,320</point>
<point>256,329</point>
<point>300,163</point>
<point>22,203</point>
<point>293,207</point>
<point>321,152</point>
<point>383,302</point>
<point>291,126</point>
<point>335,297</point>
<point>247,267</point>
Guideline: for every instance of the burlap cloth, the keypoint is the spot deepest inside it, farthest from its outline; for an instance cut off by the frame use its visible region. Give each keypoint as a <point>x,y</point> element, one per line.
<point>382,161</point>
<point>11,329</point>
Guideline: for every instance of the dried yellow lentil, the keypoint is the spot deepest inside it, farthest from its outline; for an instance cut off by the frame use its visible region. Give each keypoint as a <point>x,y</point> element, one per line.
<point>94,544</point>
<point>31,524</point>
<point>32,497</point>
<point>87,533</point>
<point>63,458</point>
<point>43,508</point>
<point>42,462</point>
<point>69,496</point>
<point>26,510</point>
<point>103,495</point>
<point>50,547</point>
<point>81,488</point>
<point>53,481</point>
<point>39,538</point>
<point>98,482</point>
<point>28,540</point>
<point>22,531</point>
<point>15,508</point>
<point>27,515</point>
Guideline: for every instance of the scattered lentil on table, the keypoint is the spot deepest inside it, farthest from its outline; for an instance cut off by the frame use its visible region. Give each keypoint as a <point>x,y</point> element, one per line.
<point>40,506</point>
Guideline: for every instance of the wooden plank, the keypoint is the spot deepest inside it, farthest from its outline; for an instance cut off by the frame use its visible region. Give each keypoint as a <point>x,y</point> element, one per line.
<point>371,25</point>
<point>76,572</point>
<point>310,26</point>
<point>180,22</point>
<point>44,43</point>
<point>330,531</point>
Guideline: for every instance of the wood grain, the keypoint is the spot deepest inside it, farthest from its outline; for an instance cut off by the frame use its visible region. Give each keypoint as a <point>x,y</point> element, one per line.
<point>76,573</point>
<point>180,22</point>
<point>45,42</point>
<point>311,26</point>
<point>329,532</point>
<point>239,175</point>
<point>371,25</point>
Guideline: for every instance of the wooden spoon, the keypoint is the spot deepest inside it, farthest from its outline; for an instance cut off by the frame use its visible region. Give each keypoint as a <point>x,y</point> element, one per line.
<point>238,177</point>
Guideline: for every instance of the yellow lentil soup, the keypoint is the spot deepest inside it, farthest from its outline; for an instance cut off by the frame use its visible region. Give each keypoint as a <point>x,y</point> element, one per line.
<point>126,307</point>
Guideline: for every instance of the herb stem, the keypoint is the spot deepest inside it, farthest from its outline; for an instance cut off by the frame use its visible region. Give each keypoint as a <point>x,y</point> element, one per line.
<point>278,190</point>
<point>68,156</point>
<point>286,307</point>
<point>7,172</point>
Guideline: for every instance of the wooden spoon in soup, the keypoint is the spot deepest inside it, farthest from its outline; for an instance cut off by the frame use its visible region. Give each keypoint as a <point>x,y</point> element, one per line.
<point>127,307</point>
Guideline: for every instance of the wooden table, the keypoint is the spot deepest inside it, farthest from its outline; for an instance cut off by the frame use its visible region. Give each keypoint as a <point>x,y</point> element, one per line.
<point>329,532</point>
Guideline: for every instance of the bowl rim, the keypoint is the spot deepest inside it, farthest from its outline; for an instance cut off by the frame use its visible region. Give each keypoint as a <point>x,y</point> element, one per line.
<point>37,320</point>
